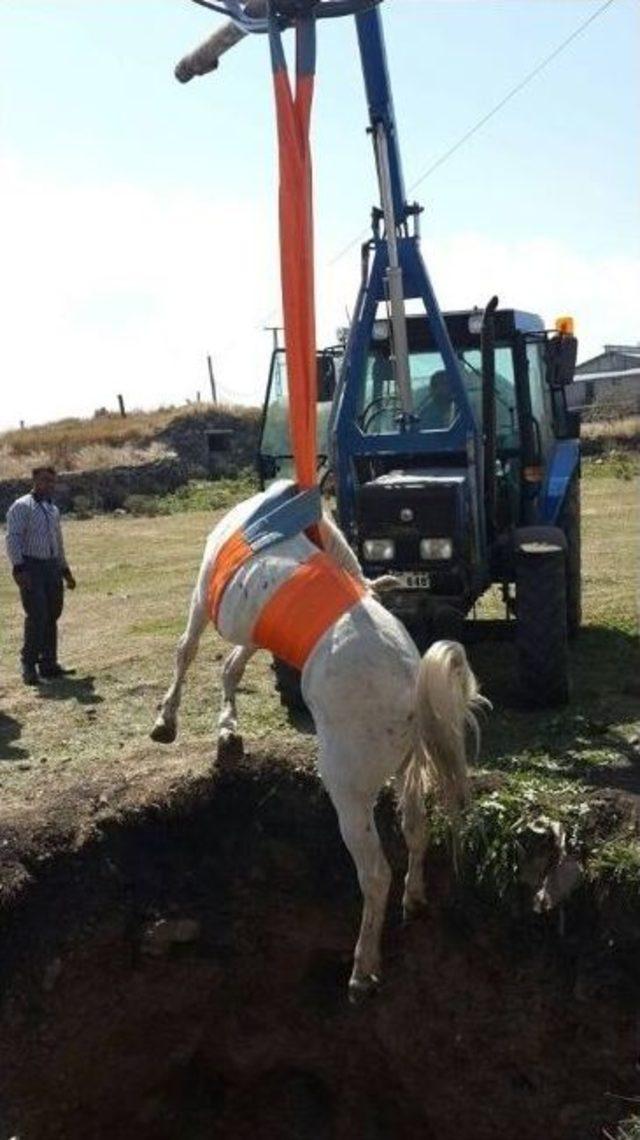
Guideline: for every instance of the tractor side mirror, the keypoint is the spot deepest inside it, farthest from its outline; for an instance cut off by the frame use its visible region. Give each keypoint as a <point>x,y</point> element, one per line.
<point>268,468</point>
<point>561,353</point>
<point>325,377</point>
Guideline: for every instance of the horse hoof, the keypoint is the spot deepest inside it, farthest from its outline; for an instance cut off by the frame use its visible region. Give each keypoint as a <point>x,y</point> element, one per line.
<point>230,747</point>
<point>164,732</point>
<point>361,989</point>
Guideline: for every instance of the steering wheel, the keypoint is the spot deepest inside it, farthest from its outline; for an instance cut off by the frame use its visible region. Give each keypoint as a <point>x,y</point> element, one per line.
<point>376,408</point>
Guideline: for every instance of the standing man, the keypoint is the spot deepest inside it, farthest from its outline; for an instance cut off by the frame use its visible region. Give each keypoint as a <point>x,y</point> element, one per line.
<point>36,552</point>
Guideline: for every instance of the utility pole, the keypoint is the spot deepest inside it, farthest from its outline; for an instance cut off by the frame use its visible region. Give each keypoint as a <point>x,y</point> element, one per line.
<point>212,381</point>
<point>274,330</point>
<point>121,403</point>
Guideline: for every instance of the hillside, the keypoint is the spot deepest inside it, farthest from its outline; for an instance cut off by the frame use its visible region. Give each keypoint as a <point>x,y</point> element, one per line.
<point>105,459</point>
<point>109,439</point>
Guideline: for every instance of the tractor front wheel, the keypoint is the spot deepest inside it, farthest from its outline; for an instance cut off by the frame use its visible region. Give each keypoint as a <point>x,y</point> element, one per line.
<point>541,616</point>
<point>288,685</point>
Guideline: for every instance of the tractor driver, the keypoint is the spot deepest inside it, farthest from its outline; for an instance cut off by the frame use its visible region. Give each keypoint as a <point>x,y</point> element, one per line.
<point>439,409</point>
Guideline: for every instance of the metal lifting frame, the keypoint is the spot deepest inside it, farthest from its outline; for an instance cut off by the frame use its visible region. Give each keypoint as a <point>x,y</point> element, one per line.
<point>254,15</point>
<point>397,271</point>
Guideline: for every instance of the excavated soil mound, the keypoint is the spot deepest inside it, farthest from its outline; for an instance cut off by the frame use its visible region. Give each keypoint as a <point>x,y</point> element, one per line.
<point>184,974</point>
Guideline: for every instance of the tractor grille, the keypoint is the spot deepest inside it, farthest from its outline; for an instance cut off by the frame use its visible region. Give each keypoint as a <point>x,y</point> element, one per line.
<point>408,508</point>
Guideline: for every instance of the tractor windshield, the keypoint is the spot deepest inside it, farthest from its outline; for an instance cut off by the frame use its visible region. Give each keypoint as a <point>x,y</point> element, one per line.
<point>433,399</point>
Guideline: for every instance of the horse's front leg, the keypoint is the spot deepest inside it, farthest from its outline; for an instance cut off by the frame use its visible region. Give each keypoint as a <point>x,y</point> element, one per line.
<point>230,746</point>
<point>166,726</point>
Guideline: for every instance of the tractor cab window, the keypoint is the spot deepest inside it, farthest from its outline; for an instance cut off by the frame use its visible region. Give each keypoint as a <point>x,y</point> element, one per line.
<point>540,396</point>
<point>507,433</point>
<point>276,439</point>
<point>380,406</point>
<point>275,442</point>
<point>433,398</point>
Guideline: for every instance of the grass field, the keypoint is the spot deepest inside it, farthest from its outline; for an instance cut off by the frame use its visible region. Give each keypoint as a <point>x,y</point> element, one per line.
<point>119,631</point>
<point>508,1003</point>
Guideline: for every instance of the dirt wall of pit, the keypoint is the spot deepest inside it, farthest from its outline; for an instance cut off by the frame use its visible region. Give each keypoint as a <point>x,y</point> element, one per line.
<point>182,971</point>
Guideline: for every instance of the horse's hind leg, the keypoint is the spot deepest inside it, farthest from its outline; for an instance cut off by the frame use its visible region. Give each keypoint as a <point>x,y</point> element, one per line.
<point>230,745</point>
<point>413,817</point>
<point>166,725</point>
<point>358,829</point>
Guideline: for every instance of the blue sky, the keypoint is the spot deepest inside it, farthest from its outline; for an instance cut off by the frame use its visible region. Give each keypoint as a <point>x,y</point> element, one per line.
<point>139,216</point>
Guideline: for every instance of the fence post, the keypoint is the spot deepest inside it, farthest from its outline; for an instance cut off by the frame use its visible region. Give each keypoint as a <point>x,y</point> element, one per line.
<point>212,381</point>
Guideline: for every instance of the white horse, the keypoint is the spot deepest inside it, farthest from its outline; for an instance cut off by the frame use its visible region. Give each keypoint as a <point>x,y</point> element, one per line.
<point>380,711</point>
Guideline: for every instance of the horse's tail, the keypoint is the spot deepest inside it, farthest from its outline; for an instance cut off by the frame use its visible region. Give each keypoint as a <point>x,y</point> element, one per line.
<point>447,698</point>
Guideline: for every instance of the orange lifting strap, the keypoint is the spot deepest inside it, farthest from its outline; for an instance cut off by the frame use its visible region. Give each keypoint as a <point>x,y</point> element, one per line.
<point>296,242</point>
<point>302,610</point>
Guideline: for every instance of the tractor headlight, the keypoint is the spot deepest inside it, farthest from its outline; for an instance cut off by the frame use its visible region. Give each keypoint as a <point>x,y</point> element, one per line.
<point>380,330</point>
<point>379,549</point>
<point>436,549</point>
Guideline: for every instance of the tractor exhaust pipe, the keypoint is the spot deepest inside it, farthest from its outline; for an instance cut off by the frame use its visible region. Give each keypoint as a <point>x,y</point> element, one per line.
<point>488,357</point>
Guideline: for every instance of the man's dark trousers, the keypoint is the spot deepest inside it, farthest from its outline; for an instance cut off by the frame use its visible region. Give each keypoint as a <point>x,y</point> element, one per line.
<point>42,602</point>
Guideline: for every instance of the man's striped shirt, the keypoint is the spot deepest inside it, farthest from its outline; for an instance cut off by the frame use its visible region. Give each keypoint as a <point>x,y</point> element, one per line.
<point>34,531</point>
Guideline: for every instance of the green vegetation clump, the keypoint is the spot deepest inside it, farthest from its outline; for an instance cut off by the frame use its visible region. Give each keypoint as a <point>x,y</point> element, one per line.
<point>144,506</point>
<point>627,1130</point>
<point>614,464</point>
<point>216,495</point>
<point>196,495</point>
<point>82,507</point>
<point>615,866</point>
<point>510,835</point>
<point>498,829</point>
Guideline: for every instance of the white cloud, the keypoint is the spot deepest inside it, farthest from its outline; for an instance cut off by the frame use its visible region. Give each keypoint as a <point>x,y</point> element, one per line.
<point>108,290</point>
<point>113,289</point>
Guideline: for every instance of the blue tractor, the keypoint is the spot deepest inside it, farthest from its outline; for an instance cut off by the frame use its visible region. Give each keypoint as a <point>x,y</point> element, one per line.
<point>445,438</point>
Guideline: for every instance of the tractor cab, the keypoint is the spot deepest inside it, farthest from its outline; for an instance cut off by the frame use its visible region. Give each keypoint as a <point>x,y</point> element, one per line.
<point>512,406</point>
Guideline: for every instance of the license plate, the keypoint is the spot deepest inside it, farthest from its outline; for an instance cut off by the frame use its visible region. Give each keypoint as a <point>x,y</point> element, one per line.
<point>414,581</point>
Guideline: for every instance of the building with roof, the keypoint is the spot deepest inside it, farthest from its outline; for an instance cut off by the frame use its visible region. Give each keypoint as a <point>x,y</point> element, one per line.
<point>609,381</point>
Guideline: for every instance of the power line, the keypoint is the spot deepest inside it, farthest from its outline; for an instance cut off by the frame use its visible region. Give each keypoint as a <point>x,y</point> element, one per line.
<point>514,91</point>
<point>531,75</point>
<point>528,78</point>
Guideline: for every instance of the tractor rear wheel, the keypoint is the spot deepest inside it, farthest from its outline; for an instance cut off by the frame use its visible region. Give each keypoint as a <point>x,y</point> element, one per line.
<point>541,613</point>
<point>288,685</point>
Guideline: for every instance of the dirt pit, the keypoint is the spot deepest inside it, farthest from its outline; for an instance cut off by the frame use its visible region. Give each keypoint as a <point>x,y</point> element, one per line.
<point>183,976</point>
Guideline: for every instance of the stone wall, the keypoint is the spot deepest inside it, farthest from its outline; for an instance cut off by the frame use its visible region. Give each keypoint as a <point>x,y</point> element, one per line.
<point>187,436</point>
<point>106,488</point>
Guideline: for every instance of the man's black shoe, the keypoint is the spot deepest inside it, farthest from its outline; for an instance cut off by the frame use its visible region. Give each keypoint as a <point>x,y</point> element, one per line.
<point>29,675</point>
<point>49,672</point>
